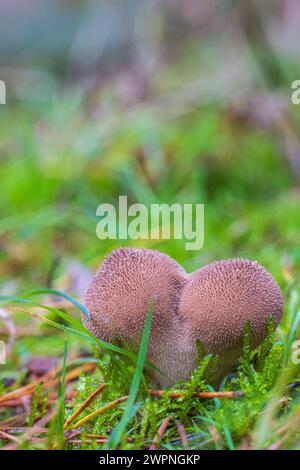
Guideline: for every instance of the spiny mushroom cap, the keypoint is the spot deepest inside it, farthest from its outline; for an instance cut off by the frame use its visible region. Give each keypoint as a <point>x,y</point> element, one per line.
<point>212,305</point>
<point>125,285</point>
<point>219,298</point>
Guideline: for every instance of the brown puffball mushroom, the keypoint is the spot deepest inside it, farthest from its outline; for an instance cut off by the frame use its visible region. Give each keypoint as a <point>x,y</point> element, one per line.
<point>211,305</point>
<point>220,298</point>
<point>119,298</point>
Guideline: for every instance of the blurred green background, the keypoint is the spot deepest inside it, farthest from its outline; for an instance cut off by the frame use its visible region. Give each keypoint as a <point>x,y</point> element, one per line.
<point>162,101</point>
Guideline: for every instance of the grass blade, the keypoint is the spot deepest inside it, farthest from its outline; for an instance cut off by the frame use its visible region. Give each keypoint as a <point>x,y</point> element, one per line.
<point>61,402</point>
<point>118,432</point>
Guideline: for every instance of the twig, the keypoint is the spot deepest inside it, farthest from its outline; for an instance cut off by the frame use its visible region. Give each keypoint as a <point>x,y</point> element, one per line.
<point>215,436</point>
<point>51,401</point>
<point>9,437</point>
<point>160,433</point>
<point>87,441</point>
<point>45,419</point>
<point>276,445</point>
<point>20,429</point>
<point>101,410</point>
<point>182,434</point>
<point>294,385</point>
<point>144,167</point>
<point>15,419</point>
<point>100,436</point>
<point>10,446</point>
<point>288,428</point>
<point>84,405</point>
<point>160,393</point>
<point>48,380</point>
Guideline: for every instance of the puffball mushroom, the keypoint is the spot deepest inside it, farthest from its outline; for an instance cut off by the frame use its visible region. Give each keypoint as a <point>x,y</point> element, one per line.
<point>119,298</point>
<point>220,298</point>
<point>211,305</point>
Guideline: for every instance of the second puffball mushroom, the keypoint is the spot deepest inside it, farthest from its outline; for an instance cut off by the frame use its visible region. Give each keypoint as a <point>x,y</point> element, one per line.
<point>220,298</point>
<point>212,305</point>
